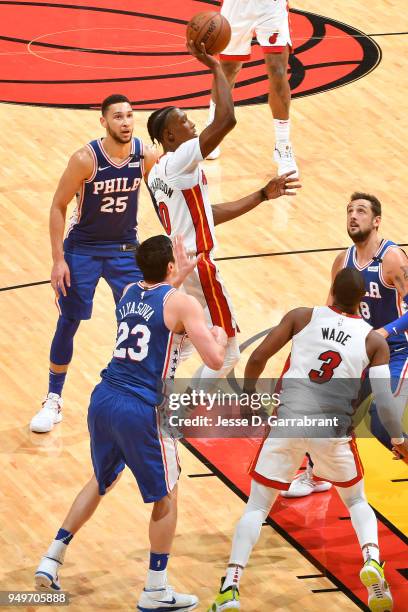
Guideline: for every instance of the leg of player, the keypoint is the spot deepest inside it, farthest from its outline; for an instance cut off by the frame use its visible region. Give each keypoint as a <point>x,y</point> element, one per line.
<point>157,595</point>
<point>365,525</point>
<point>246,535</point>
<point>62,348</point>
<point>85,504</point>
<point>231,70</point>
<point>279,101</point>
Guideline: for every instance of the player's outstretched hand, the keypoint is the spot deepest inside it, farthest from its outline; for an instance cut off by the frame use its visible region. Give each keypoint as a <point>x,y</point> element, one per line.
<point>401,450</point>
<point>60,277</point>
<point>219,335</point>
<point>185,264</point>
<point>282,185</point>
<point>201,54</point>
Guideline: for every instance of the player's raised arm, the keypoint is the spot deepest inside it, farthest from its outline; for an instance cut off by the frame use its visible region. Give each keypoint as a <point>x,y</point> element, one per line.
<point>276,187</point>
<point>280,335</point>
<point>184,312</point>
<point>224,118</point>
<point>395,270</point>
<point>379,355</point>
<point>80,167</point>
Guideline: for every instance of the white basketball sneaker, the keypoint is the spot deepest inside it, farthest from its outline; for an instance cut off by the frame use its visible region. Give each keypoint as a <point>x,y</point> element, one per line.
<point>46,575</point>
<point>304,484</point>
<point>285,158</point>
<point>379,594</point>
<point>49,415</point>
<point>165,600</point>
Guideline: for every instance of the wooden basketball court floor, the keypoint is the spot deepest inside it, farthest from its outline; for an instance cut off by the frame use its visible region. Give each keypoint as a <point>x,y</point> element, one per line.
<point>350,138</point>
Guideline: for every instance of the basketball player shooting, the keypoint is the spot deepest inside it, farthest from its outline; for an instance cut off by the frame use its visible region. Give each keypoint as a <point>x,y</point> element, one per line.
<point>318,356</point>
<point>125,423</point>
<point>180,195</point>
<point>270,22</point>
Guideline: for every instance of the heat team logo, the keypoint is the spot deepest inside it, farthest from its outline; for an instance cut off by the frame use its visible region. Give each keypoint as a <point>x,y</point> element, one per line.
<point>73,54</point>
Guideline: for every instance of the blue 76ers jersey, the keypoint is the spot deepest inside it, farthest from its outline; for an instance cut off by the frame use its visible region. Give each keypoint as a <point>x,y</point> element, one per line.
<point>146,351</point>
<point>106,213</point>
<point>382,303</point>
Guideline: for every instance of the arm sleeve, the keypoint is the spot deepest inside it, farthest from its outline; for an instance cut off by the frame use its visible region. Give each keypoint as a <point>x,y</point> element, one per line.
<point>384,400</point>
<point>184,160</point>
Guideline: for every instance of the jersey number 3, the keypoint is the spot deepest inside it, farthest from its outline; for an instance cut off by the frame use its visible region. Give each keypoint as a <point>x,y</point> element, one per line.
<point>142,342</point>
<point>331,361</point>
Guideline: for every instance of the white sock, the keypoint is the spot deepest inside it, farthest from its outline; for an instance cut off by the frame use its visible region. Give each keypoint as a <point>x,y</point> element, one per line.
<point>363,519</point>
<point>57,551</point>
<point>282,130</point>
<point>156,580</point>
<point>372,551</point>
<point>233,576</point>
<point>211,112</point>
<point>249,526</point>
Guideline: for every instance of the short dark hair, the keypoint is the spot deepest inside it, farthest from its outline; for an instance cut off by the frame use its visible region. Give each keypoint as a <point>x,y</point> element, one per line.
<point>153,257</point>
<point>157,122</point>
<point>375,202</point>
<point>113,99</point>
<point>348,287</point>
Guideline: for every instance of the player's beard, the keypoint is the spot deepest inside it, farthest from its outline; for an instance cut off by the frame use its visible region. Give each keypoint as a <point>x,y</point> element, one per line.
<point>117,137</point>
<point>360,236</point>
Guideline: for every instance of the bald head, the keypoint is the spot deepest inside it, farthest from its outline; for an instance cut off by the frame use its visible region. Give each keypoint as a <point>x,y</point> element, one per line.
<point>348,288</point>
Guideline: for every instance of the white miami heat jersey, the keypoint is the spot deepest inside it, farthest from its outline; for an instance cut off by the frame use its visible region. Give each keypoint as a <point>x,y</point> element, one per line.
<point>180,195</point>
<point>327,359</point>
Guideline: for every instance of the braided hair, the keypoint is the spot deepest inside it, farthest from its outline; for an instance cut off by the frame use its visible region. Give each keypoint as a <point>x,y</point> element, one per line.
<point>157,122</point>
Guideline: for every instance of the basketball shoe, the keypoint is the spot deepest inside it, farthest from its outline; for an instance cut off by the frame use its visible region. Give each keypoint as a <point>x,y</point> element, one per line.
<point>165,600</point>
<point>285,158</point>
<point>379,594</point>
<point>304,484</point>
<point>226,600</point>
<point>49,414</point>
<point>46,575</point>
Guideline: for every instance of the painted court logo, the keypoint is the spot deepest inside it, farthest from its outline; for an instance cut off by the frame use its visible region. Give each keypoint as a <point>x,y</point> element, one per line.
<point>73,54</point>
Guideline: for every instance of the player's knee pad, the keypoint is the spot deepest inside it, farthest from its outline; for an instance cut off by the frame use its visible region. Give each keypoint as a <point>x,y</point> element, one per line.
<point>232,353</point>
<point>351,496</point>
<point>63,341</point>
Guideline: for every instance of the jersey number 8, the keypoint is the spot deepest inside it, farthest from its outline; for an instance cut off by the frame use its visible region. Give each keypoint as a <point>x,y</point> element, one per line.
<point>142,342</point>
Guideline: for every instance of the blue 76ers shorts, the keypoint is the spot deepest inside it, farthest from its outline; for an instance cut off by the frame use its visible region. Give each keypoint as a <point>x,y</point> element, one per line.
<point>125,430</point>
<point>86,270</point>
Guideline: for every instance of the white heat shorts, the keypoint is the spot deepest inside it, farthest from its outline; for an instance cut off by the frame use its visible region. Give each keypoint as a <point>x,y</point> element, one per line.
<point>334,459</point>
<point>269,19</point>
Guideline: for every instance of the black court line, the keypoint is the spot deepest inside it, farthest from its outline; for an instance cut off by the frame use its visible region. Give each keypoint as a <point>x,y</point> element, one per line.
<point>399,480</point>
<point>340,586</point>
<point>325,590</point>
<point>231,258</point>
<point>404,572</point>
<point>311,576</point>
<point>200,475</point>
<point>388,34</point>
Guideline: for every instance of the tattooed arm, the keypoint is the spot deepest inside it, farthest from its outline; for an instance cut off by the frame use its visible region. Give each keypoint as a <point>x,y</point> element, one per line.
<point>395,271</point>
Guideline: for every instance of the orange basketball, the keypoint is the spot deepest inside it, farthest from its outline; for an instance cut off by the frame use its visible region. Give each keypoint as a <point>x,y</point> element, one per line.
<point>210,28</point>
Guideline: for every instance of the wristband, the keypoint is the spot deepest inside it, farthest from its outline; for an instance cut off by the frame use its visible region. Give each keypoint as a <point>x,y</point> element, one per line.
<point>397,441</point>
